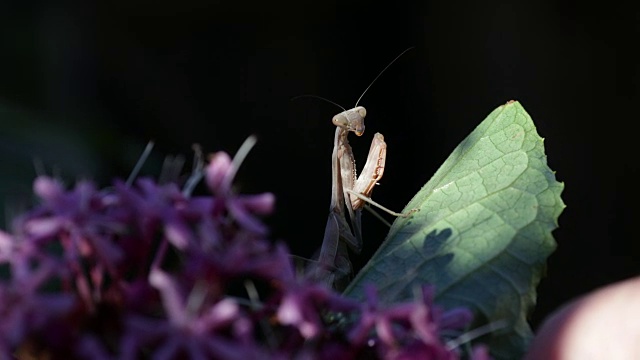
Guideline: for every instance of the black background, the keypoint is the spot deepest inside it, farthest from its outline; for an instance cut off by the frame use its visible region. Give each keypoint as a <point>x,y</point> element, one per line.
<point>84,86</point>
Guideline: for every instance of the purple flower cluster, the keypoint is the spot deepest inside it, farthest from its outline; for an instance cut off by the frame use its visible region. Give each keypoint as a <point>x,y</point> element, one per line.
<point>145,271</point>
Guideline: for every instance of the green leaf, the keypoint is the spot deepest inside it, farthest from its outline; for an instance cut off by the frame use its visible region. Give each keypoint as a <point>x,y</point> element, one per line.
<point>482,232</point>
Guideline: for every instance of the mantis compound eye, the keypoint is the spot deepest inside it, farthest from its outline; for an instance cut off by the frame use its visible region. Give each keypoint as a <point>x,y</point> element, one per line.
<point>340,120</point>
<point>362,111</point>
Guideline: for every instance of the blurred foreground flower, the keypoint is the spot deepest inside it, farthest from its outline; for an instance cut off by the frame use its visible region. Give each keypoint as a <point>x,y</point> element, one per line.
<point>147,271</point>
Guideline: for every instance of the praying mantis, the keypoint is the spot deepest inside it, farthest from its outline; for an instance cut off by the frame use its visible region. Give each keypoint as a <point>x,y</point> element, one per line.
<point>350,192</point>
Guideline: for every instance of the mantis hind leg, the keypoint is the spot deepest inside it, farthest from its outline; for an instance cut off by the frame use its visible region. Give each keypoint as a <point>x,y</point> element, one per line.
<point>370,201</point>
<point>344,270</point>
<point>333,261</point>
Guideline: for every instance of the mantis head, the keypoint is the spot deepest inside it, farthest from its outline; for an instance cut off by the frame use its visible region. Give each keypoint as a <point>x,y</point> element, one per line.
<point>351,120</point>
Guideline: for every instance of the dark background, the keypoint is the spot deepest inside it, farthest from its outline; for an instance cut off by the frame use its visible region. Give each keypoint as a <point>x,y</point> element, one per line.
<point>84,86</point>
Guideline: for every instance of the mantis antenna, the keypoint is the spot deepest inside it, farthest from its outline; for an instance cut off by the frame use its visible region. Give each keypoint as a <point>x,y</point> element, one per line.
<point>365,90</point>
<point>381,72</point>
<point>318,97</point>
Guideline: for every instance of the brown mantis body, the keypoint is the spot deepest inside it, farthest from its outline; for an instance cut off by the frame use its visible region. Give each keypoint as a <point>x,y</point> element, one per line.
<point>338,234</point>
<point>350,192</point>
